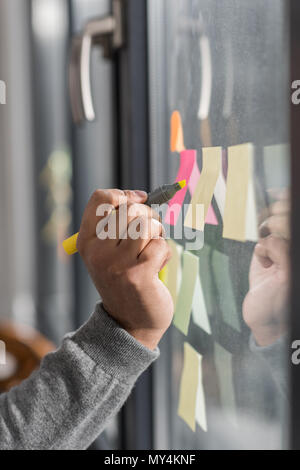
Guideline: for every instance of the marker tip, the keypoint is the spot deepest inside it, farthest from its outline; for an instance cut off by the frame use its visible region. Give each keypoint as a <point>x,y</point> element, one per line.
<point>182,184</point>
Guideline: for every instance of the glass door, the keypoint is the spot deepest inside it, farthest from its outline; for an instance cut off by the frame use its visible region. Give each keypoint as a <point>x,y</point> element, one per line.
<point>111,151</point>
<point>95,162</point>
<point>219,117</point>
<point>94,143</point>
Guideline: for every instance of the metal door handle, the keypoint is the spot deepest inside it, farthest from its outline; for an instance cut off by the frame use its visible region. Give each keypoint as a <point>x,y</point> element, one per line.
<point>106,32</point>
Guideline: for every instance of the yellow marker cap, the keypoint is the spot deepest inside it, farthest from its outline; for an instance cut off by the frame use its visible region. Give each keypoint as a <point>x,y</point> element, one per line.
<point>182,184</point>
<point>70,245</point>
<point>163,274</point>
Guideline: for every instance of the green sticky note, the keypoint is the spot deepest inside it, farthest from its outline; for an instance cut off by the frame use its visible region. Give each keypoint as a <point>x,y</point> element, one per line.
<point>221,272</point>
<point>186,293</point>
<point>199,308</point>
<point>277,166</point>
<point>223,362</point>
<point>206,278</point>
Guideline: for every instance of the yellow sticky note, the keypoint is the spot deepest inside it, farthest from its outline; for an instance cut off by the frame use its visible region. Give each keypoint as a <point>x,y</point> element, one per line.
<point>173,279</point>
<point>189,387</point>
<point>186,293</point>
<point>237,196</point>
<point>211,168</point>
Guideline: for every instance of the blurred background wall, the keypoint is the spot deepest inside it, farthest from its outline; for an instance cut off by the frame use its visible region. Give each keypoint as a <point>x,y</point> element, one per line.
<point>49,167</point>
<point>17,195</point>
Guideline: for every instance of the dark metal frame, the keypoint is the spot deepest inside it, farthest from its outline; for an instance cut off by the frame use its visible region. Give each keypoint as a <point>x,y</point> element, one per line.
<point>295,248</point>
<point>131,75</point>
<point>133,86</point>
<point>80,276</point>
<point>137,416</point>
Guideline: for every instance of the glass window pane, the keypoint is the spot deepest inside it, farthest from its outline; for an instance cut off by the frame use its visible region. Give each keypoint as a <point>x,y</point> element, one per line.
<point>222,67</point>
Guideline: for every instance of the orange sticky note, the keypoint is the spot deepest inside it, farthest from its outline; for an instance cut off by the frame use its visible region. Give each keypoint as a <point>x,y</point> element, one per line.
<point>177,139</point>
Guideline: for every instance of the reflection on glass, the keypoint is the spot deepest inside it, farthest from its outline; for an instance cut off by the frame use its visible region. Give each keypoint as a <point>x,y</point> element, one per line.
<point>218,60</point>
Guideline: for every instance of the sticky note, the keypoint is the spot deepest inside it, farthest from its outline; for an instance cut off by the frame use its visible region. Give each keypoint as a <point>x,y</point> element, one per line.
<point>189,387</point>
<point>212,161</point>
<point>189,171</point>
<point>177,138</point>
<point>277,166</point>
<point>174,270</point>
<point>186,293</point>
<point>187,163</point>
<point>226,298</point>
<point>194,178</point>
<point>240,220</point>
<point>223,362</point>
<point>220,193</point>
<point>206,277</point>
<point>200,399</point>
<point>191,406</point>
<point>211,218</point>
<point>199,312</point>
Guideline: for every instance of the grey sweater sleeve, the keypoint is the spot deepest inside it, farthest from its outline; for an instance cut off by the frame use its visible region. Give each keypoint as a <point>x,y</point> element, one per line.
<point>68,401</point>
<point>275,356</point>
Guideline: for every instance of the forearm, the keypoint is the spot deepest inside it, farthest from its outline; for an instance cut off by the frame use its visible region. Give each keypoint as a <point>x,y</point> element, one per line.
<point>77,390</point>
<point>275,357</point>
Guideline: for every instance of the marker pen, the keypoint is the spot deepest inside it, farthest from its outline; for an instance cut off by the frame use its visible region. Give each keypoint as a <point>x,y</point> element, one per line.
<point>159,196</point>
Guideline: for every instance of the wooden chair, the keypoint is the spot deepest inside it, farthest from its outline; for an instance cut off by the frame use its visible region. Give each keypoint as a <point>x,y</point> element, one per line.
<point>25,348</point>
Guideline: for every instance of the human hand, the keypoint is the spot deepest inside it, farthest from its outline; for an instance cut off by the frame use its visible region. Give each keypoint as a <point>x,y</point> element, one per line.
<point>266,304</point>
<point>275,219</point>
<point>125,271</point>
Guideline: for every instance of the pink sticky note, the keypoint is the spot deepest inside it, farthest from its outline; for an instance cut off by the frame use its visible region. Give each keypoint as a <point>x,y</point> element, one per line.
<point>188,158</point>
<point>211,218</point>
<point>188,171</point>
